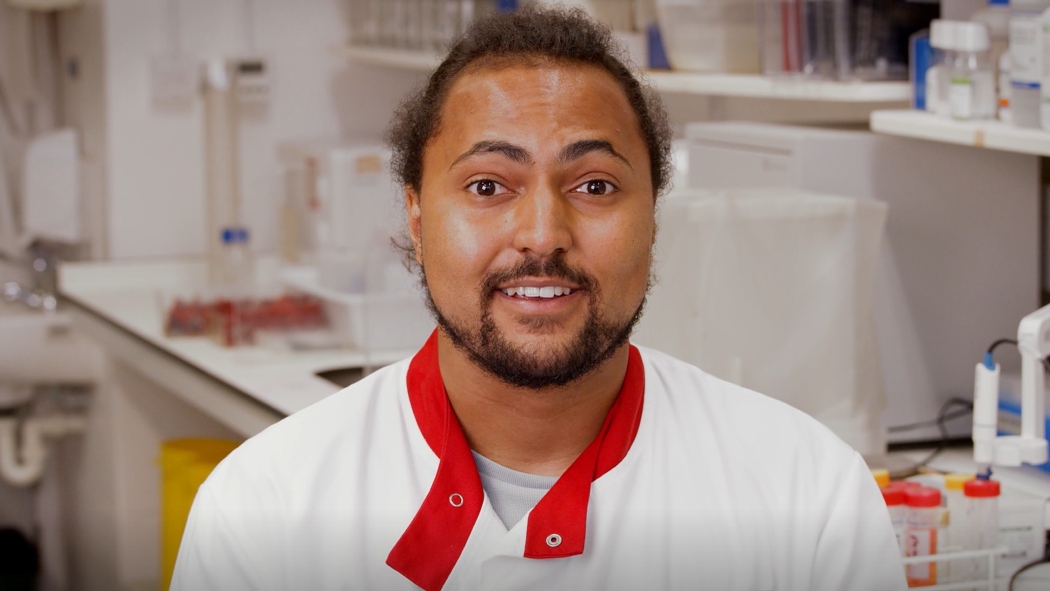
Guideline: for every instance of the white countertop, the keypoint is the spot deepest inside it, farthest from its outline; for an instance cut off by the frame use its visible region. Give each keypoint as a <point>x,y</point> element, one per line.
<point>130,295</point>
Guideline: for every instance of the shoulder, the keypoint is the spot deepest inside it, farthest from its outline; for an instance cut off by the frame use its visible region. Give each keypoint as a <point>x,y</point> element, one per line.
<point>748,423</point>
<point>304,445</point>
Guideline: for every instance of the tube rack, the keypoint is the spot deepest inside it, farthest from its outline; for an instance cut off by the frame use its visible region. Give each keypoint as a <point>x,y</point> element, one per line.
<point>990,583</point>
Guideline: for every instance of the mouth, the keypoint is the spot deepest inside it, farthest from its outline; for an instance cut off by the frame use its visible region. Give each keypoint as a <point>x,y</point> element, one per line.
<point>536,292</point>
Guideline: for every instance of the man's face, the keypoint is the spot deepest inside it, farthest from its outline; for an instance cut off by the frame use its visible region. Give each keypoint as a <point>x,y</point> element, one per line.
<point>535,220</point>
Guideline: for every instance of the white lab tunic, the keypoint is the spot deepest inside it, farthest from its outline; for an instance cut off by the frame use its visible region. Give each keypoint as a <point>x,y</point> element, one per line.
<point>720,488</point>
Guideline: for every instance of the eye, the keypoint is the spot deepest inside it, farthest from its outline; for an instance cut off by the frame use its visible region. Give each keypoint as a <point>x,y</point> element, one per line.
<point>596,187</point>
<point>486,188</point>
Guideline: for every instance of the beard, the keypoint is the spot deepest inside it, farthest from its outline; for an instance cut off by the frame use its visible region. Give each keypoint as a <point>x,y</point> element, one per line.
<point>487,347</point>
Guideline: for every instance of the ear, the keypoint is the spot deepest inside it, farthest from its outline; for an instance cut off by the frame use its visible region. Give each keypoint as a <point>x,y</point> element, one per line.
<point>414,215</point>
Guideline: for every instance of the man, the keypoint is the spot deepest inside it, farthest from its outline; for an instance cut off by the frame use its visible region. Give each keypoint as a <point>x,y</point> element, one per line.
<point>528,445</point>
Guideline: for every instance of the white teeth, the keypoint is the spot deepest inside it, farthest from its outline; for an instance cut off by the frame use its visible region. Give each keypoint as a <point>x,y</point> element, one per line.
<point>548,291</point>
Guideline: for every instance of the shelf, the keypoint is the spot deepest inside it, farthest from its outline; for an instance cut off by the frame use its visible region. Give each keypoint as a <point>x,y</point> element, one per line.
<point>735,85</point>
<point>758,86</point>
<point>994,135</point>
<point>407,59</point>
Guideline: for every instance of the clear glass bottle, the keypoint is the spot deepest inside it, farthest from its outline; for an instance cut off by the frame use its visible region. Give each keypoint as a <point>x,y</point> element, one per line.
<point>971,74</point>
<point>942,40</point>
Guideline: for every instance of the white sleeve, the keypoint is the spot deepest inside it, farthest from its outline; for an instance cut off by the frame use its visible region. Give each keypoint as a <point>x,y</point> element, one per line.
<point>857,548</point>
<point>228,545</point>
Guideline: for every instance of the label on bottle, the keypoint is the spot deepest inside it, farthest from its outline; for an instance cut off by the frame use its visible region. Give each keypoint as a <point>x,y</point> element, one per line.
<point>1026,51</point>
<point>961,97</point>
<point>921,542</point>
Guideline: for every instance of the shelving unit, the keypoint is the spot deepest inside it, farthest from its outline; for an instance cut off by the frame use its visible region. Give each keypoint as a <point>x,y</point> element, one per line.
<point>979,134</point>
<point>733,85</point>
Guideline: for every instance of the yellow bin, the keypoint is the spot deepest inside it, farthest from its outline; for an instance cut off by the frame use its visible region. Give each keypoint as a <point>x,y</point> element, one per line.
<point>184,465</point>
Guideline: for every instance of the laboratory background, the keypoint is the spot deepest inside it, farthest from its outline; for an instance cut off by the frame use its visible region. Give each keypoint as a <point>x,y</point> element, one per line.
<point>195,224</point>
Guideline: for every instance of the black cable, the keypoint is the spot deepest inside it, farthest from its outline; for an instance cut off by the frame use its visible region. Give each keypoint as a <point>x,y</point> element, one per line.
<point>995,345</point>
<point>931,422</point>
<point>942,417</point>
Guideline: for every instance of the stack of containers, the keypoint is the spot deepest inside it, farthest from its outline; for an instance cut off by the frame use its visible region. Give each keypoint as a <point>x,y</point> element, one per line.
<point>942,40</point>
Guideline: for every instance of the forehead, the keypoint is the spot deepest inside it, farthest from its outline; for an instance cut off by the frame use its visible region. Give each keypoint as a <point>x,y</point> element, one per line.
<point>538,105</point>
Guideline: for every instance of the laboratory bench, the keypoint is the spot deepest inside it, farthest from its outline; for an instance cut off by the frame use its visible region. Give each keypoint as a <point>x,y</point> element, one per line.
<point>151,389</point>
<point>121,306</point>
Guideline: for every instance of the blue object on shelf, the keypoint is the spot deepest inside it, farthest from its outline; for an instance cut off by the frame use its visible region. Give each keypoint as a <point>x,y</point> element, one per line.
<point>506,5</point>
<point>921,60</point>
<point>655,42</point>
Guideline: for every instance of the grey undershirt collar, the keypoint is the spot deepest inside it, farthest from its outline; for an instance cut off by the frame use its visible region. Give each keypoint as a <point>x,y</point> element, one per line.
<point>512,494</point>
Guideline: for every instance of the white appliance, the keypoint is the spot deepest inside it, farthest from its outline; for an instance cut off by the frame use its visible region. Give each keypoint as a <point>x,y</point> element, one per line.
<point>960,259</point>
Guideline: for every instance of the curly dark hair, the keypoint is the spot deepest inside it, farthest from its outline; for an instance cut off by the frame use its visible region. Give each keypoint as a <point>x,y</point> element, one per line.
<point>530,35</point>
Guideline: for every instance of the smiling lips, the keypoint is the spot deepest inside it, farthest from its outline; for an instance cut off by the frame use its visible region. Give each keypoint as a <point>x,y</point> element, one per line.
<point>546,292</point>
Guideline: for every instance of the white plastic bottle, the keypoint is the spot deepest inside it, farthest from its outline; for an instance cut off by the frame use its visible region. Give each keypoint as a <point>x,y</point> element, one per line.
<point>972,93</point>
<point>1026,55</point>
<point>995,16</point>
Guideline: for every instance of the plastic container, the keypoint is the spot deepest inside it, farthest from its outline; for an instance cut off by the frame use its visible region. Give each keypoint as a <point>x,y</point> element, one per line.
<point>1026,61</point>
<point>972,93</point>
<point>184,465</point>
<point>954,534</point>
<point>921,55</point>
<point>881,476</point>
<point>923,517</point>
<point>234,270</point>
<point>894,497</point>
<point>942,40</point>
<point>710,35</point>
<point>996,16</point>
<point>981,530</point>
<point>1003,89</point>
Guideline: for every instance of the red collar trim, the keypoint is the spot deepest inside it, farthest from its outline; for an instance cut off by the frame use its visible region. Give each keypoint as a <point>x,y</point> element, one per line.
<point>429,549</point>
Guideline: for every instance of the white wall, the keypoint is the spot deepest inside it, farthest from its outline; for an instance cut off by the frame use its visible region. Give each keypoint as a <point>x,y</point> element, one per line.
<point>152,162</point>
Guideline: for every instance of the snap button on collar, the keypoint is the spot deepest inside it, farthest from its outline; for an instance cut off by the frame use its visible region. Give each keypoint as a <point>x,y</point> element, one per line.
<point>554,540</point>
<point>456,500</point>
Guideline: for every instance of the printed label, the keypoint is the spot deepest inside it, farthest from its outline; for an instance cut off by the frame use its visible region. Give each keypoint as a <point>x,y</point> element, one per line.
<point>920,542</point>
<point>961,97</point>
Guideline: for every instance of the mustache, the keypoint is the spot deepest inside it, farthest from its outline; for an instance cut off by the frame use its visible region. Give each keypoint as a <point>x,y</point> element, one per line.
<point>553,267</point>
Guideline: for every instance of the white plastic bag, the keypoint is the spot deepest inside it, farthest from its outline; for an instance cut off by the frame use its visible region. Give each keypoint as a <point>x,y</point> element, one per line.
<point>772,289</point>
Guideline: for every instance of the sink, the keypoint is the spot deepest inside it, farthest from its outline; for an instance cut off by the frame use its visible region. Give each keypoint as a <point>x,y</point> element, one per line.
<point>38,348</point>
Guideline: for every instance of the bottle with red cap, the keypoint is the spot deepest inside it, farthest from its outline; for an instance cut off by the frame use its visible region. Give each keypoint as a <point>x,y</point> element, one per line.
<point>982,524</point>
<point>894,497</point>
<point>924,505</point>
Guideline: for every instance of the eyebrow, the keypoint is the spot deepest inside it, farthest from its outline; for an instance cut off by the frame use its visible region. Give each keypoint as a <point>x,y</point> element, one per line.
<point>579,149</point>
<point>515,153</point>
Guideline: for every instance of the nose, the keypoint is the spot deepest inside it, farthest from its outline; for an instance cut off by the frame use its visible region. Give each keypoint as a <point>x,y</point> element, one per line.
<point>543,222</point>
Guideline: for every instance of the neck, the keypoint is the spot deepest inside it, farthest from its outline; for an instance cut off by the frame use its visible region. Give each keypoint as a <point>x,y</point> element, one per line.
<point>534,431</point>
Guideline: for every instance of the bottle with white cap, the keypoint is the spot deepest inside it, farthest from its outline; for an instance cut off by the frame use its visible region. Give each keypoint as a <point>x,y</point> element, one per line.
<point>942,40</point>
<point>972,76</point>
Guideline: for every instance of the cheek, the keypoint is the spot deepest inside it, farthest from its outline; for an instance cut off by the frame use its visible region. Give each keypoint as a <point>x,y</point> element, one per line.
<point>624,249</point>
